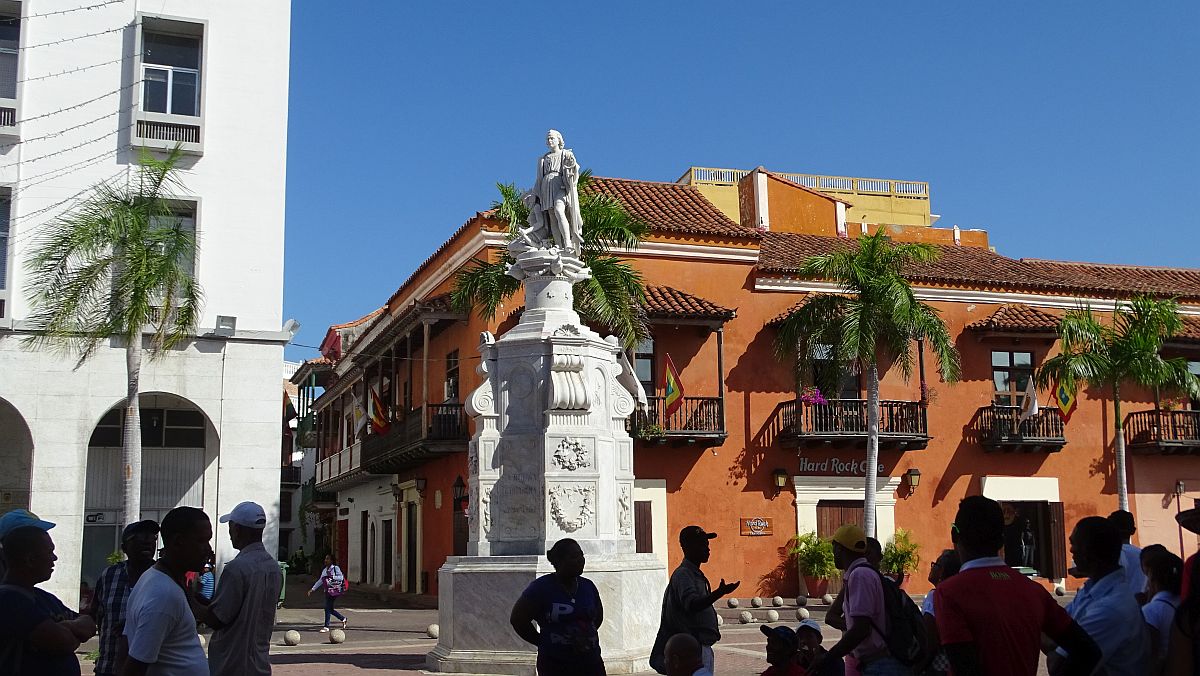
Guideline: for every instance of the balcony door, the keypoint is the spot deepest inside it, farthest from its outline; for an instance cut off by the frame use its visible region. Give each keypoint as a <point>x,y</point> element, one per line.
<point>832,515</point>
<point>1011,371</point>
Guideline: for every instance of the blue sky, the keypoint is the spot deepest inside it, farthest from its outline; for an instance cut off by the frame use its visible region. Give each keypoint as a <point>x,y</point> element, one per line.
<point>1066,129</point>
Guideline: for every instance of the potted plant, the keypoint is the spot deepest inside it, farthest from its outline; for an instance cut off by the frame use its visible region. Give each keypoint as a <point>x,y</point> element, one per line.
<point>814,556</point>
<point>901,556</point>
<point>650,432</point>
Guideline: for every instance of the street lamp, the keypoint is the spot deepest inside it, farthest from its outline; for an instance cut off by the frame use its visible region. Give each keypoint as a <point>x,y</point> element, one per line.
<point>913,477</point>
<point>460,492</point>
<point>781,478</point>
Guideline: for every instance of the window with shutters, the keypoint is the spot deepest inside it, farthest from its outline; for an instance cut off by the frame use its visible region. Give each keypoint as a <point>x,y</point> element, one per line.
<point>170,66</point>
<point>643,365</point>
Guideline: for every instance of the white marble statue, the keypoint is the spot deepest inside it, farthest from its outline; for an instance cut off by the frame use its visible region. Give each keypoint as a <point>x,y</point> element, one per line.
<point>553,201</point>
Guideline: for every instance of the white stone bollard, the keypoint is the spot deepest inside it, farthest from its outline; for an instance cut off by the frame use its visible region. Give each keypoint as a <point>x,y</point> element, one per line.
<point>777,601</point>
<point>733,603</point>
<point>337,636</point>
<point>433,631</point>
<point>746,617</point>
<point>802,613</point>
<point>801,601</point>
<point>720,620</point>
<point>772,616</point>
<point>756,602</point>
<point>292,637</point>
<point>1060,590</point>
<point>827,599</point>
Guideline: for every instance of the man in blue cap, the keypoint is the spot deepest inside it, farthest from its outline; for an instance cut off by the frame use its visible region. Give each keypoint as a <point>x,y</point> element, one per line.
<point>139,541</point>
<point>38,634</point>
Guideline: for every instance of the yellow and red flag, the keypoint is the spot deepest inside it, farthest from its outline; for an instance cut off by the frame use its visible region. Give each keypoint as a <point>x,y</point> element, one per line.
<point>1065,400</point>
<point>379,421</point>
<point>672,389</point>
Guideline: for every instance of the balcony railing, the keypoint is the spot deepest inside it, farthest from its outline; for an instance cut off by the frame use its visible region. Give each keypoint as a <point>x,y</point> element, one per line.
<point>289,476</point>
<point>339,465</point>
<point>415,438</point>
<point>696,418</point>
<point>1165,432</point>
<point>1001,429</point>
<point>846,184</point>
<point>902,424</point>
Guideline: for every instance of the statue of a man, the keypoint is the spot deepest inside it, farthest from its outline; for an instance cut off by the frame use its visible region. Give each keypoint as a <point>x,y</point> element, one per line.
<point>554,199</point>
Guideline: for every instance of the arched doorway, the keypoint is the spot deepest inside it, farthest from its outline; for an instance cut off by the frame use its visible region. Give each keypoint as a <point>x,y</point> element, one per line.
<point>176,439</point>
<point>16,459</point>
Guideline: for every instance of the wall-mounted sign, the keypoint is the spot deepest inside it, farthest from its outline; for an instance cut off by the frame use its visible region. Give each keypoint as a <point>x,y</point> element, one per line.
<point>94,517</point>
<point>835,466</point>
<point>756,525</point>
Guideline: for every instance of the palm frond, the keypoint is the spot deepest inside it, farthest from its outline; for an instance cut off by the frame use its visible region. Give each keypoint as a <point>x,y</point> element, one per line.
<point>614,297</point>
<point>483,287</point>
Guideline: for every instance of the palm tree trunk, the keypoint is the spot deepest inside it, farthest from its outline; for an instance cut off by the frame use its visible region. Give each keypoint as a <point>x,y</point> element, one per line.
<point>872,448</point>
<point>131,443</point>
<point>1119,443</point>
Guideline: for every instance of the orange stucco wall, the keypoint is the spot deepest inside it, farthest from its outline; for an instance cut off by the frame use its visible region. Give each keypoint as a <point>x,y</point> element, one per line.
<point>794,210</point>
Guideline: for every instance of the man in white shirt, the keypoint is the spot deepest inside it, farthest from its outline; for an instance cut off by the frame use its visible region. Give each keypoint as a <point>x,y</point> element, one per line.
<point>242,612</point>
<point>159,624</point>
<point>1131,556</point>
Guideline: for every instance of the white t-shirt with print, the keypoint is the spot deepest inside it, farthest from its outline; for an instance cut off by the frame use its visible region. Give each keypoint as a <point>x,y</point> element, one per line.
<point>161,628</point>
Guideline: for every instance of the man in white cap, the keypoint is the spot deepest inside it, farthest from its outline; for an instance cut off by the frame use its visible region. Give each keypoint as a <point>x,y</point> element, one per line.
<point>242,612</point>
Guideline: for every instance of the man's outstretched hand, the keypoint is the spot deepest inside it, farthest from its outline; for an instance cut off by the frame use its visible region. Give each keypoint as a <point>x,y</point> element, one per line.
<point>724,589</point>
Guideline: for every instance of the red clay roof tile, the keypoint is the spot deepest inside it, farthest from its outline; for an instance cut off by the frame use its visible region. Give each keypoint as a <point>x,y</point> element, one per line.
<point>664,302</point>
<point>1017,317</point>
<point>670,207</point>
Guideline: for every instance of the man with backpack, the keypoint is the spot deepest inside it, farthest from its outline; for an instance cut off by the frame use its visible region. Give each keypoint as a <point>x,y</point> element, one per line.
<point>880,629</point>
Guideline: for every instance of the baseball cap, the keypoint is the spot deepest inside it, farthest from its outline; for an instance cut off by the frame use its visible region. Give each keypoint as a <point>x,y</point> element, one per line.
<point>143,526</point>
<point>693,534</point>
<point>248,514</point>
<point>809,624</point>
<point>781,632</point>
<point>851,537</point>
<point>20,518</point>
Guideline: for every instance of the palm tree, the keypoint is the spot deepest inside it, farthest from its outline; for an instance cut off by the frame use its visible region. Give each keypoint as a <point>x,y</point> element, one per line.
<point>1126,351</point>
<point>874,315</point>
<point>118,264</point>
<point>614,295</point>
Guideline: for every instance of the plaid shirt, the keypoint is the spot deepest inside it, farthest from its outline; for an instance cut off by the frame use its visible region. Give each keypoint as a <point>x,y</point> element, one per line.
<point>112,595</point>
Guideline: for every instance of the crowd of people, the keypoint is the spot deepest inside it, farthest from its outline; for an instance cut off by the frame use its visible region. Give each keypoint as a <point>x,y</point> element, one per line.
<point>1136,614</point>
<point>144,609</point>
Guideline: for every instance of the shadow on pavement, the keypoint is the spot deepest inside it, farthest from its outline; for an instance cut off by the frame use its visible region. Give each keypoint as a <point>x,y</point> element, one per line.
<point>362,661</point>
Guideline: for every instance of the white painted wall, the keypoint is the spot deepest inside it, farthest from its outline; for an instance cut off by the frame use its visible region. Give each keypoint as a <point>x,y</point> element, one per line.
<point>375,498</point>
<point>238,183</point>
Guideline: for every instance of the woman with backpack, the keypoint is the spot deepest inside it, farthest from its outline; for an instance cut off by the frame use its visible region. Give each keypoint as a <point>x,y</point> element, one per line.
<point>334,582</point>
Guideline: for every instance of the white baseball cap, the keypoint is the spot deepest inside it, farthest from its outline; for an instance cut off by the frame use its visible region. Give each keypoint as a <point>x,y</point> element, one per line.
<point>248,514</point>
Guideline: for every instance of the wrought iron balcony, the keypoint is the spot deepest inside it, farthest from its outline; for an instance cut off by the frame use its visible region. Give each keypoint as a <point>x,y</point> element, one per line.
<point>696,419</point>
<point>289,476</point>
<point>902,424</point>
<point>415,438</point>
<point>1000,428</point>
<point>1163,432</point>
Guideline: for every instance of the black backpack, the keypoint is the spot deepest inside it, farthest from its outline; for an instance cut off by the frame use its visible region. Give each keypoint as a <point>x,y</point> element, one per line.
<point>906,636</point>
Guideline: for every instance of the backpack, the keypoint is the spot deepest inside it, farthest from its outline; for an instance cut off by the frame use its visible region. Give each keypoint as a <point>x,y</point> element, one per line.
<point>906,636</point>
<point>334,587</point>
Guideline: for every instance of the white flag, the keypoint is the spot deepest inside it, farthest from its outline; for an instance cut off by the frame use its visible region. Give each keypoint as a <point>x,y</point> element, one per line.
<point>1029,407</point>
<point>360,416</point>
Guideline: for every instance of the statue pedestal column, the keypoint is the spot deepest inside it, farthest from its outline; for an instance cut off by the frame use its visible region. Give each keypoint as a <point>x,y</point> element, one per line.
<point>550,459</point>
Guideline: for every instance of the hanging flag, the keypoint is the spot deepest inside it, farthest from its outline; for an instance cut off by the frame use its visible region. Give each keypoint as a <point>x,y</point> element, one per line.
<point>379,421</point>
<point>358,414</point>
<point>1029,406</point>
<point>1065,400</point>
<point>672,390</point>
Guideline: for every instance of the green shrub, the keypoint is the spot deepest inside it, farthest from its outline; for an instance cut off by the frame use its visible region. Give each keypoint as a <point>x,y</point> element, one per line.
<point>901,554</point>
<point>814,556</point>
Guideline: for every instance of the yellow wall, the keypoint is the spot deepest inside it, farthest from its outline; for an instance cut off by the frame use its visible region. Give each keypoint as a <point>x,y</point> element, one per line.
<point>876,208</point>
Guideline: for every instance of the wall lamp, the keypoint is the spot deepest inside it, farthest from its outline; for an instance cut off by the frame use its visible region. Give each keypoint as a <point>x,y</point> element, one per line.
<point>781,479</point>
<point>460,491</point>
<point>913,477</point>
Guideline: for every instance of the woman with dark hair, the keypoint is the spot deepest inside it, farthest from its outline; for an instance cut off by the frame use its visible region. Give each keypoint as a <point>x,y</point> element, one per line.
<point>333,580</point>
<point>1183,652</point>
<point>1164,571</point>
<point>568,612</point>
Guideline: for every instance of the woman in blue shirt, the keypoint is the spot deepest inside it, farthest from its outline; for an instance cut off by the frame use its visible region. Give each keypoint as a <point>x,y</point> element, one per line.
<point>568,612</point>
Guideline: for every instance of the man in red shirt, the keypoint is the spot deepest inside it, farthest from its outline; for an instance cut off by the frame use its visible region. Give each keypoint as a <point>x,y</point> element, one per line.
<point>989,616</point>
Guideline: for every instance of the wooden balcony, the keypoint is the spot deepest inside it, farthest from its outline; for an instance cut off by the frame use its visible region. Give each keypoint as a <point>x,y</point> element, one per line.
<point>697,420</point>
<point>341,469</point>
<point>416,438</point>
<point>1163,432</point>
<point>289,476</point>
<point>1000,428</point>
<point>843,422</point>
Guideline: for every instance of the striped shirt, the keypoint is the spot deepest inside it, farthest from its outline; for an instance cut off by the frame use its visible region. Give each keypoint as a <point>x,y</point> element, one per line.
<point>112,595</point>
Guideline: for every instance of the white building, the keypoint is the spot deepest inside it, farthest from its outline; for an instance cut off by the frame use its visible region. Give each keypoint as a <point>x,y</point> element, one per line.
<point>84,86</point>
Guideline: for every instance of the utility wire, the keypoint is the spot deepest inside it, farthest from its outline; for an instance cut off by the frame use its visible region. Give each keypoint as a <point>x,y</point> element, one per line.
<point>67,11</point>
<point>77,37</point>
<point>79,69</point>
<point>118,130</point>
<point>60,132</point>
<point>26,235</point>
<point>81,104</point>
<point>28,182</point>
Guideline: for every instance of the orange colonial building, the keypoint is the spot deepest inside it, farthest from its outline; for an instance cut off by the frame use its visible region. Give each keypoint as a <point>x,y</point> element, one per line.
<point>720,267</point>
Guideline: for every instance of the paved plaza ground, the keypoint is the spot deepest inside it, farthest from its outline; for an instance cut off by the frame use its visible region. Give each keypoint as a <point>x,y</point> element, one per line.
<point>386,635</point>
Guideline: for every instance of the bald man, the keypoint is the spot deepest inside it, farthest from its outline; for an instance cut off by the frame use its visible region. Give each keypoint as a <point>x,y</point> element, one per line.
<point>682,655</point>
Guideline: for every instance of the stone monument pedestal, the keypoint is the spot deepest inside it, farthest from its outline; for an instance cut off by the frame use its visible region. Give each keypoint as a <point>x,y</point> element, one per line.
<point>476,594</point>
